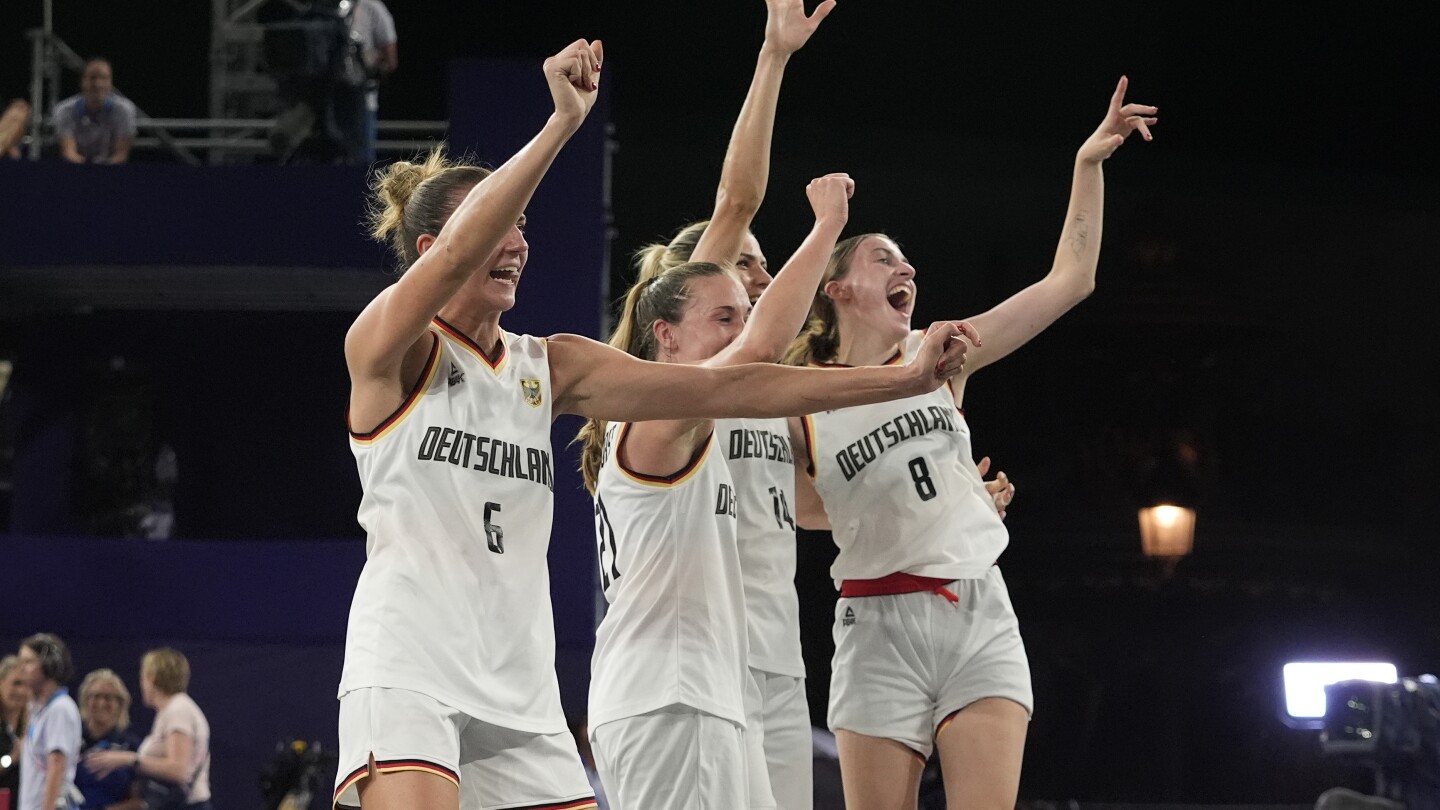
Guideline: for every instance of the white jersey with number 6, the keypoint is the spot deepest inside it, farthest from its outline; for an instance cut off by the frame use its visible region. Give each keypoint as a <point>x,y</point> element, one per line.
<point>454,599</point>
<point>675,629</point>
<point>901,489</point>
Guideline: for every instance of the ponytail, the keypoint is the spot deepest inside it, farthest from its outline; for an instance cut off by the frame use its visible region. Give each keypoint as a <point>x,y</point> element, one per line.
<point>820,342</point>
<point>660,297</point>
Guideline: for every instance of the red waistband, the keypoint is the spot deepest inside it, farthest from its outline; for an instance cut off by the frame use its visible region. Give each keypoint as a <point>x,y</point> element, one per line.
<point>895,584</point>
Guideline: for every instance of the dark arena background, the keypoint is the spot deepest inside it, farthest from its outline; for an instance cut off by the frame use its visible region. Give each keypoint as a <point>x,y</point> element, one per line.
<point>1261,340</point>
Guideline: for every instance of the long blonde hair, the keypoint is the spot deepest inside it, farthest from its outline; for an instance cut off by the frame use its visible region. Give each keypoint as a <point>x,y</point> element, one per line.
<point>820,341</point>
<point>660,297</point>
<point>658,257</point>
<point>8,665</point>
<point>414,198</point>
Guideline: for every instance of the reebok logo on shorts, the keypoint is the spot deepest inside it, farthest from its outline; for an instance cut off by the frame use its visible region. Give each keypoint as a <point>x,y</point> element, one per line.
<point>849,617</point>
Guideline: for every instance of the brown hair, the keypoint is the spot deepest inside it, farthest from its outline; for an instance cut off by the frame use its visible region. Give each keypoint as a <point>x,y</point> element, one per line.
<point>661,297</point>
<point>167,668</point>
<point>820,341</point>
<point>411,199</point>
<point>55,661</point>
<point>93,680</point>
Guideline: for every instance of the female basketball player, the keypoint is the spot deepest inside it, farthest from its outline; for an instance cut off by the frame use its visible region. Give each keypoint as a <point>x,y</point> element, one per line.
<point>758,451</point>
<point>928,650</point>
<point>667,705</point>
<point>449,685</point>
<point>777,717</point>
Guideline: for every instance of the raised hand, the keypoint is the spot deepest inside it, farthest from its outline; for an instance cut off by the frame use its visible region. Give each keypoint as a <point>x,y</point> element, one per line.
<point>1120,120</point>
<point>574,78</point>
<point>1001,490</point>
<point>942,354</point>
<point>830,197</point>
<point>788,28</point>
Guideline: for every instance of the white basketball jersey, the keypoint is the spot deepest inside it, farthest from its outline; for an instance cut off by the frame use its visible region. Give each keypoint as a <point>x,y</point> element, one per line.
<point>454,599</point>
<point>675,628</point>
<point>900,486</point>
<point>762,463</point>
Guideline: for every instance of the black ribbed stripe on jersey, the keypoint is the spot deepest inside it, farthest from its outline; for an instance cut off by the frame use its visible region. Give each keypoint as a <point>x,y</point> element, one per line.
<point>464,338</point>
<point>409,398</point>
<point>573,804</point>
<point>662,479</point>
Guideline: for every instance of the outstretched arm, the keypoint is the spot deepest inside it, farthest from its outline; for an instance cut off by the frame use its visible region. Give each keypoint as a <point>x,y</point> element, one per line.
<point>1022,316</point>
<point>601,382</point>
<point>665,445</point>
<point>781,311</point>
<point>395,322</point>
<point>746,170</point>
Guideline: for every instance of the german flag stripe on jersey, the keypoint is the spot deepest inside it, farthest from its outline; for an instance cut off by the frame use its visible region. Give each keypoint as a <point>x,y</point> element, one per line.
<point>392,766</point>
<point>408,405</point>
<point>946,721</point>
<point>573,804</point>
<point>666,481</point>
<point>463,339</point>
<point>807,426</point>
<point>894,360</point>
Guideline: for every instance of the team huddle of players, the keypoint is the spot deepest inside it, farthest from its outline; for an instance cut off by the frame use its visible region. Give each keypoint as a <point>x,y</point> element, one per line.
<point>712,432</point>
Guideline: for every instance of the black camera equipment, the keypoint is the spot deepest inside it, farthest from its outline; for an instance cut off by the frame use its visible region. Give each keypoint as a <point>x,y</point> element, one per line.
<point>1392,728</point>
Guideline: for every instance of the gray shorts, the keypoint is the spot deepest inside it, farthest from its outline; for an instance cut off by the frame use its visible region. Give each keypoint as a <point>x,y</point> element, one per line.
<point>905,662</point>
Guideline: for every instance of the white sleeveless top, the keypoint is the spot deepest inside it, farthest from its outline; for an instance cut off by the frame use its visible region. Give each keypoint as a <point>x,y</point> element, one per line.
<point>675,628</point>
<point>454,599</point>
<point>762,463</point>
<point>900,485</point>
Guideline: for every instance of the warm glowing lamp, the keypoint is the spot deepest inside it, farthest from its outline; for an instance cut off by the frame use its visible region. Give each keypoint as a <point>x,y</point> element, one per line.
<point>1167,531</point>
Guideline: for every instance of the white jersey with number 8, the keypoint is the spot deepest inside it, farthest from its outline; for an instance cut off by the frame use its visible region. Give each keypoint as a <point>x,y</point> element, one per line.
<point>901,489</point>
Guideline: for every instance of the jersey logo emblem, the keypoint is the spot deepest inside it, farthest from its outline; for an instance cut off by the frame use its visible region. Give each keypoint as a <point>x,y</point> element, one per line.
<point>531,389</point>
<point>456,375</point>
<point>849,618</point>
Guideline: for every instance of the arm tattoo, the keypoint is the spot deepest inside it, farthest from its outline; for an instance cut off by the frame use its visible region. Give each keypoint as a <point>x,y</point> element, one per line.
<point>1079,233</point>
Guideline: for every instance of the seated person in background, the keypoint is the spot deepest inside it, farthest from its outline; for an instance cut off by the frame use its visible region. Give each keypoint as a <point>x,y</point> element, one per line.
<point>105,715</point>
<point>98,125</point>
<point>13,123</point>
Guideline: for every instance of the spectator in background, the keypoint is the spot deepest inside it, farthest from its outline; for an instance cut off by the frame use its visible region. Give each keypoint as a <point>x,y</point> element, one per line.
<point>13,123</point>
<point>98,125</point>
<point>105,713</point>
<point>52,738</point>
<point>177,751</point>
<point>372,36</point>
<point>14,709</point>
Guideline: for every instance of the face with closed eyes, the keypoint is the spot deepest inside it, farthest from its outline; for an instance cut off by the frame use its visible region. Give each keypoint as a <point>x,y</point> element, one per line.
<point>877,294</point>
<point>714,316</point>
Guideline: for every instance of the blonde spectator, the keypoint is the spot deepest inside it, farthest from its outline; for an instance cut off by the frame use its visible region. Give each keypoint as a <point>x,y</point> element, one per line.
<point>177,751</point>
<point>14,711</point>
<point>105,717</point>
